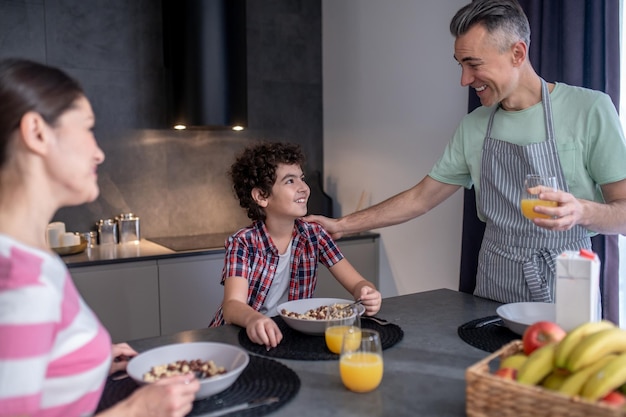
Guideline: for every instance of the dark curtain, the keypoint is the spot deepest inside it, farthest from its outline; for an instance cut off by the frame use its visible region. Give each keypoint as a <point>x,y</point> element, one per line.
<point>575,42</point>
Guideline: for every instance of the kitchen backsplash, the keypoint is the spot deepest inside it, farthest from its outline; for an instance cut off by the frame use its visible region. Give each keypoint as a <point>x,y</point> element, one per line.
<point>176,182</point>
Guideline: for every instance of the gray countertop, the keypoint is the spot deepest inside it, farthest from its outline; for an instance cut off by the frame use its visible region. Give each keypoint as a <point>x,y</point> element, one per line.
<point>424,373</point>
<point>146,250</point>
<point>116,253</point>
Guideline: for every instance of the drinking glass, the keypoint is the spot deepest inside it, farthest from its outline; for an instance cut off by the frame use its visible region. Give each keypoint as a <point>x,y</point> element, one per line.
<point>335,330</point>
<point>533,185</point>
<point>361,360</point>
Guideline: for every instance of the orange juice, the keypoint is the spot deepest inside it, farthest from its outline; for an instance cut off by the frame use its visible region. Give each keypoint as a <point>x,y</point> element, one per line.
<point>529,204</point>
<point>361,371</point>
<point>334,338</point>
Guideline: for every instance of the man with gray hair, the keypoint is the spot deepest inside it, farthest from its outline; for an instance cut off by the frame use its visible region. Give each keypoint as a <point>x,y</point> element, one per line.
<point>524,126</point>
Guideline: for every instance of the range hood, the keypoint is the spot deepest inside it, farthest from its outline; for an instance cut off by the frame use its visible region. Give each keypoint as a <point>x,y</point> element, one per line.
<point>205,61</point>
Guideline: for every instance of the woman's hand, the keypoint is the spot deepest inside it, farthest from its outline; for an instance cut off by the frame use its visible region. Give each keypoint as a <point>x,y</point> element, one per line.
<point>168,397</point>
<point>121,353</point>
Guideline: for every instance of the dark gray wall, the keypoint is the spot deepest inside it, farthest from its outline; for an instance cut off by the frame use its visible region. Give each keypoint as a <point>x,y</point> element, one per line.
<point>174,181</point>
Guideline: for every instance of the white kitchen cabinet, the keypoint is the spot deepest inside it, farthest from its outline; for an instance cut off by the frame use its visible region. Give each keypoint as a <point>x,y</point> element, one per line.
<point>190,291</point>
<point>363,254</point>
<point>124,296</point>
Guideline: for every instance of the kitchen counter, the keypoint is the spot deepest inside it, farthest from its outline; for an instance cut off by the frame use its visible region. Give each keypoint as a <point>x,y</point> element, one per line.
<point>424,373</point>
<point>147,249</point>
<point>116,253</point>
<point>160,290</point>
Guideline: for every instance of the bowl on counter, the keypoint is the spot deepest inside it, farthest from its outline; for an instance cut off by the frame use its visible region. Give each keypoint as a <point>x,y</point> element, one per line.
<point>233,358</point>
<point>311,326</point>
<point>518,316</point>
<point>73,249</point>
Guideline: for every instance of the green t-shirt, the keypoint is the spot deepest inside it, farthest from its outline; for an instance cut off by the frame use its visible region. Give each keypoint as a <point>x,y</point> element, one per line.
<point>588,134</point>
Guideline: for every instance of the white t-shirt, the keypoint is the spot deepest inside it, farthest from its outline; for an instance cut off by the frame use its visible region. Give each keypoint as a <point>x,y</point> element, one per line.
<point>278,293</point>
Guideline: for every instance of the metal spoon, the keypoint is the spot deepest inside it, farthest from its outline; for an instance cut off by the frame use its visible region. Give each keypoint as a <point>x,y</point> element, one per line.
<point>496,321</point>
<point>382,322</point>
<point>119,375</point>
<point>353,305</point>
<point>245,406</point>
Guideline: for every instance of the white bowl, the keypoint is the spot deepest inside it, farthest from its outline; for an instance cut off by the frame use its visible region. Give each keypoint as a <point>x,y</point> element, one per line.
<point>518,316</point>
<point>313,327</point>
<point>233,358</point>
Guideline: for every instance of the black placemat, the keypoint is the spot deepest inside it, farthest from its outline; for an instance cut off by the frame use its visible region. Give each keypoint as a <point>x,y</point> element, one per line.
<point>487,333</point>
<point>263,377</point>
<point>297,345</point>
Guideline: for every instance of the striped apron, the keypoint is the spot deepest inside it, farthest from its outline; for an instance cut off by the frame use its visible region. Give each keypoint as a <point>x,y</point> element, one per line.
<point>517,259</point>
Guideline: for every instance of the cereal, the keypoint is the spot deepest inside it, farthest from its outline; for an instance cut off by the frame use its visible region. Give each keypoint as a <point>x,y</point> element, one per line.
<point>332,312</point>
<point>202,369</point>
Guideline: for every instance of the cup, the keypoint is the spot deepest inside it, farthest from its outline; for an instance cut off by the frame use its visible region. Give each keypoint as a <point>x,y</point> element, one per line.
<point>54,234</point>
<point>336,329</point>
<point>533,185</point>
<point>361,361</point>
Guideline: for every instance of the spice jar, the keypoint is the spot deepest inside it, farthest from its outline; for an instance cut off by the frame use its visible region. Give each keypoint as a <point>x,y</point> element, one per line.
<point>128,226</point>
<point>107,231</point>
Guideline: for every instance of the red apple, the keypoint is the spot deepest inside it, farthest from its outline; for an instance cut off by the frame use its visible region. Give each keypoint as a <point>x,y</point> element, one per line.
<point>506,373</point>
<point>614,398</point>
<point>541,333</point>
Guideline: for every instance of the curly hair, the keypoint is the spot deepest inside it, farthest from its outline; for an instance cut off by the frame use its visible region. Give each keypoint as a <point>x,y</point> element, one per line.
<point>256,167</point>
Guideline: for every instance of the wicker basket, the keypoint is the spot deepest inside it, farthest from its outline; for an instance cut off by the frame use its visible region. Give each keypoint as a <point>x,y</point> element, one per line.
<point>490,396</point>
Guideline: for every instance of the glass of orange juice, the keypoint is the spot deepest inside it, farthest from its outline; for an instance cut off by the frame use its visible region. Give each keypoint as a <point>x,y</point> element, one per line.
<point>335,330</point>
<point>361,360</point>
<point>533,185</point>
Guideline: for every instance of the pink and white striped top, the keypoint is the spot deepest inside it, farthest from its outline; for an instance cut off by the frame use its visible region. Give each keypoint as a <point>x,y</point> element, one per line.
<point>54,353</point>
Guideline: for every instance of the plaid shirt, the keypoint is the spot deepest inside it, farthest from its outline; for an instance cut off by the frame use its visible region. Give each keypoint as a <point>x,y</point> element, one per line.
<point>251,254</point>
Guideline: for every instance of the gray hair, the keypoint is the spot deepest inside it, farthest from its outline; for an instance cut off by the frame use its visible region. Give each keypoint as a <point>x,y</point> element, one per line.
<point>504,16</point>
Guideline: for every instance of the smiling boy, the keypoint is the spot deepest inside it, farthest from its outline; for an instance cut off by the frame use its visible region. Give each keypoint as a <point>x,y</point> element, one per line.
<point>275,259</point>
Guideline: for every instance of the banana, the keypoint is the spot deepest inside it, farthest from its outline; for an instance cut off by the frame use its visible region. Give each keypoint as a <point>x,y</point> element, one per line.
<point>609,377</point>
<point>514,361</point>
<point>574,383</point>
<point>574,337</point>
<point>538,365</point>
<point>595,346</point>
<point>554,380</point>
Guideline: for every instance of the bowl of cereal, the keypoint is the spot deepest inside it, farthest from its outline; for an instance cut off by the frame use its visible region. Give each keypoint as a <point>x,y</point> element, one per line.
<point>310,315</point>
<point>216,365</point>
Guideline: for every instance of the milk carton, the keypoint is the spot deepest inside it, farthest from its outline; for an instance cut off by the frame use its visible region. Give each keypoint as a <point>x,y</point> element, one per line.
<point>577,288</point>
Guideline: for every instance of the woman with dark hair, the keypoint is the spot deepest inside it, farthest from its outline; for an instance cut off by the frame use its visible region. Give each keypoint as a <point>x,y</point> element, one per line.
<point>54,353</point>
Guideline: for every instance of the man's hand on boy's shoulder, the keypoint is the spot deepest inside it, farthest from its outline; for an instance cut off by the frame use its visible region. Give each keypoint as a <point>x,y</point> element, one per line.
<point>330,225</point>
